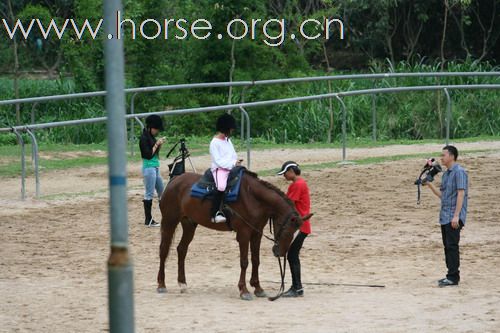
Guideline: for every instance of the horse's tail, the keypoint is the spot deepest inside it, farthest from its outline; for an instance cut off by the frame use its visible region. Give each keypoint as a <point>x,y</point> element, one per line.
<point>170,218</point>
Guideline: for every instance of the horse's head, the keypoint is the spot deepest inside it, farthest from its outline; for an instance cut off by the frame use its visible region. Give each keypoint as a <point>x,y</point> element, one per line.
<point>285,231</point>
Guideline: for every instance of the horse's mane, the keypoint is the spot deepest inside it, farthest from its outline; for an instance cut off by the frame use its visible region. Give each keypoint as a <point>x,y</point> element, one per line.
<point>271,187</point>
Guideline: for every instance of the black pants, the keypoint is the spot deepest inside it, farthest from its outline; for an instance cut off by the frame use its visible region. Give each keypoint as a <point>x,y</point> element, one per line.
<point>217,202</point>
<point>294,261</point>
<point>451,238</point>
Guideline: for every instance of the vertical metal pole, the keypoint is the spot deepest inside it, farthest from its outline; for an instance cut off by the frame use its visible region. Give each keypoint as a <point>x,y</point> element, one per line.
<point>34,143</point>
<point>344,128</point>
<point>374,114</point>
<point>330,115</point>
<point>33,152</point>
<point>448,115</point>
<point>245,115</point>
<point>132,129</point>
<point>243,91</point>
<point>140,122</point>
<point>23,164</point>
<point>120,271</point>
<point>33,107</point>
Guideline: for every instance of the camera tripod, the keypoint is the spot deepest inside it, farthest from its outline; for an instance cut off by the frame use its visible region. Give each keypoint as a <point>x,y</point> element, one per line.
<point>178,166</point>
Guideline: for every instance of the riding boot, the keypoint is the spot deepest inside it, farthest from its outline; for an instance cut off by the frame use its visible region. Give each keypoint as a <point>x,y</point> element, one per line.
<point>148,220</point>
<point>296,274</point>
<point>216,213</point>
<point>294,277</point>
<point>296,289</point>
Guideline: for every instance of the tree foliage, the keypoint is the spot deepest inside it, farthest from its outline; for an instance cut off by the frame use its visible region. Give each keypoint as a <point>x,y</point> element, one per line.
<point>380,34</point>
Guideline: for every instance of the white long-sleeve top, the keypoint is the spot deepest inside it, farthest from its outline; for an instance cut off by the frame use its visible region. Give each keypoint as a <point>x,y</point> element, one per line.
<point>223,154</point>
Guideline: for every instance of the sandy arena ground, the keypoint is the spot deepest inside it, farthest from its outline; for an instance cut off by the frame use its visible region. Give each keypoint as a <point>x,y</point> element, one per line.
<point>367,229</point>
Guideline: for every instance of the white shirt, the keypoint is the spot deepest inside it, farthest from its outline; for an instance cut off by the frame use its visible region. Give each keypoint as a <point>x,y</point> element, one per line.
<point>223,154</point>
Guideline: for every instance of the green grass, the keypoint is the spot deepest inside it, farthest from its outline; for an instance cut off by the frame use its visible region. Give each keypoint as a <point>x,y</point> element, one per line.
<point>13,169</point>
<point>15,150</point>
<point>10,165</point>
<point>412,115</point>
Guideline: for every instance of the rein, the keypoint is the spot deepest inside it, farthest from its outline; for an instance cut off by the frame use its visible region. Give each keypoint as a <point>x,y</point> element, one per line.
<point>282,273</point>
<point>232,211</point>
<point>275,241</point>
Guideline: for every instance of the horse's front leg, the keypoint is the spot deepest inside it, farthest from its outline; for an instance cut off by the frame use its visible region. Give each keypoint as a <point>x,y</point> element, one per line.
<point>255,250</point>
<point>243,240</point>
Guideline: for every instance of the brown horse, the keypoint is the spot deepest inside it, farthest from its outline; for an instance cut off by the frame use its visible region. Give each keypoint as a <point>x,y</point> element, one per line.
<point>258,202</point>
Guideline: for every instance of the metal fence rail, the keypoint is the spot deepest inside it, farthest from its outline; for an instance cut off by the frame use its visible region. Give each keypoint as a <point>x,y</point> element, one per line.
<point>244,106</point>
<point>255,104</point>
<point>245,85</point>
<point>102,93</point>
<point>377,76</point>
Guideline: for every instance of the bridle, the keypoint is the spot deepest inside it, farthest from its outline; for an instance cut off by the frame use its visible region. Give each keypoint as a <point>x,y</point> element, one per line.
<point>288,220</point>
<point>278,235</point>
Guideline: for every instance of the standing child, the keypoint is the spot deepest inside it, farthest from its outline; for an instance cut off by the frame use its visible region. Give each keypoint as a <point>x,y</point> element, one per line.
<point>224,158</point>
<point>150,152</point>
<point>298,192</point>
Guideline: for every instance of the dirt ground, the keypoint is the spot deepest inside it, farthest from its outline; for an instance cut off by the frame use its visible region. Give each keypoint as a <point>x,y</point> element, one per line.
<point>367,229</point>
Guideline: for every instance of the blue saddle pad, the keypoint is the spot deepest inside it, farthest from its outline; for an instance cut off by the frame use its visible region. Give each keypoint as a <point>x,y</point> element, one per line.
<point>201,192</point>
<point>205,188</point>
<point>233,189</point>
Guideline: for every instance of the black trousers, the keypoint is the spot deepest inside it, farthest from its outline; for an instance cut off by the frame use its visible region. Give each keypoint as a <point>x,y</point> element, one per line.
<point>451,238</point>
<point>217,202</point>
<point>294,260</point>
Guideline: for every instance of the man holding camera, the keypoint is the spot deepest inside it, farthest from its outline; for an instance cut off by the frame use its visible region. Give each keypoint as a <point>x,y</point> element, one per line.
<point>453,194</point>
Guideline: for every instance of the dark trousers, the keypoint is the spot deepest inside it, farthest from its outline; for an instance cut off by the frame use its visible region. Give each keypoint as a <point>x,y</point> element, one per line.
<point>217,202</point>
<point>451,238</point>
<point>294,261</point>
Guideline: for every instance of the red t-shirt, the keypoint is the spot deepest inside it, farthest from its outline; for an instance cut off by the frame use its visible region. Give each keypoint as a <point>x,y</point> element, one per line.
<point>298,192</point>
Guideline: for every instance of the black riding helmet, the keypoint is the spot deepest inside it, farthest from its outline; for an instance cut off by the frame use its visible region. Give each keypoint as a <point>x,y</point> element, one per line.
<point>225,123</point>
<point>289,165</point>
<point>154,121</point>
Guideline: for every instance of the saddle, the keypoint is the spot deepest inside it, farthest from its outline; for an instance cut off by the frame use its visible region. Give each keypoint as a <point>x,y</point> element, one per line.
<point>205,187</point>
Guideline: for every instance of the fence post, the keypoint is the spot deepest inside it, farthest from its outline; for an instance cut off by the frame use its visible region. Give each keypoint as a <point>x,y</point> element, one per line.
<point>120,270</point>
<point>140,122</point>
<point>448,115</point>
<point>245,115</point>
<point>344,127</point>
<point>374,114</point>
<point>23,164</point>
<point>132,127</point>
<point>33,107</point>
<point>243,91</point>
<point>34,144</point>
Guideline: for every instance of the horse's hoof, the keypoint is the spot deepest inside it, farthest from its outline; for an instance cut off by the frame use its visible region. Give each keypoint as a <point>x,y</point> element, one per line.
<point>184,288</point>
<point>261,293</point>
<point>246,297</point>
<point>162,290</point>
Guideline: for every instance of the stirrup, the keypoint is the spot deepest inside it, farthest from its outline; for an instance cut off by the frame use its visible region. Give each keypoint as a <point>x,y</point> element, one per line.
<point>219,218</point>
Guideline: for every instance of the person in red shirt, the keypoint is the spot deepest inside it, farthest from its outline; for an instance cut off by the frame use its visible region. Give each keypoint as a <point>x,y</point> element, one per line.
<point>298,192</point>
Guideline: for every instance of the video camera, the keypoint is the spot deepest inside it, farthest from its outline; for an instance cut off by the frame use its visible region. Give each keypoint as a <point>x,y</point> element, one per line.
<point>429,171</point>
